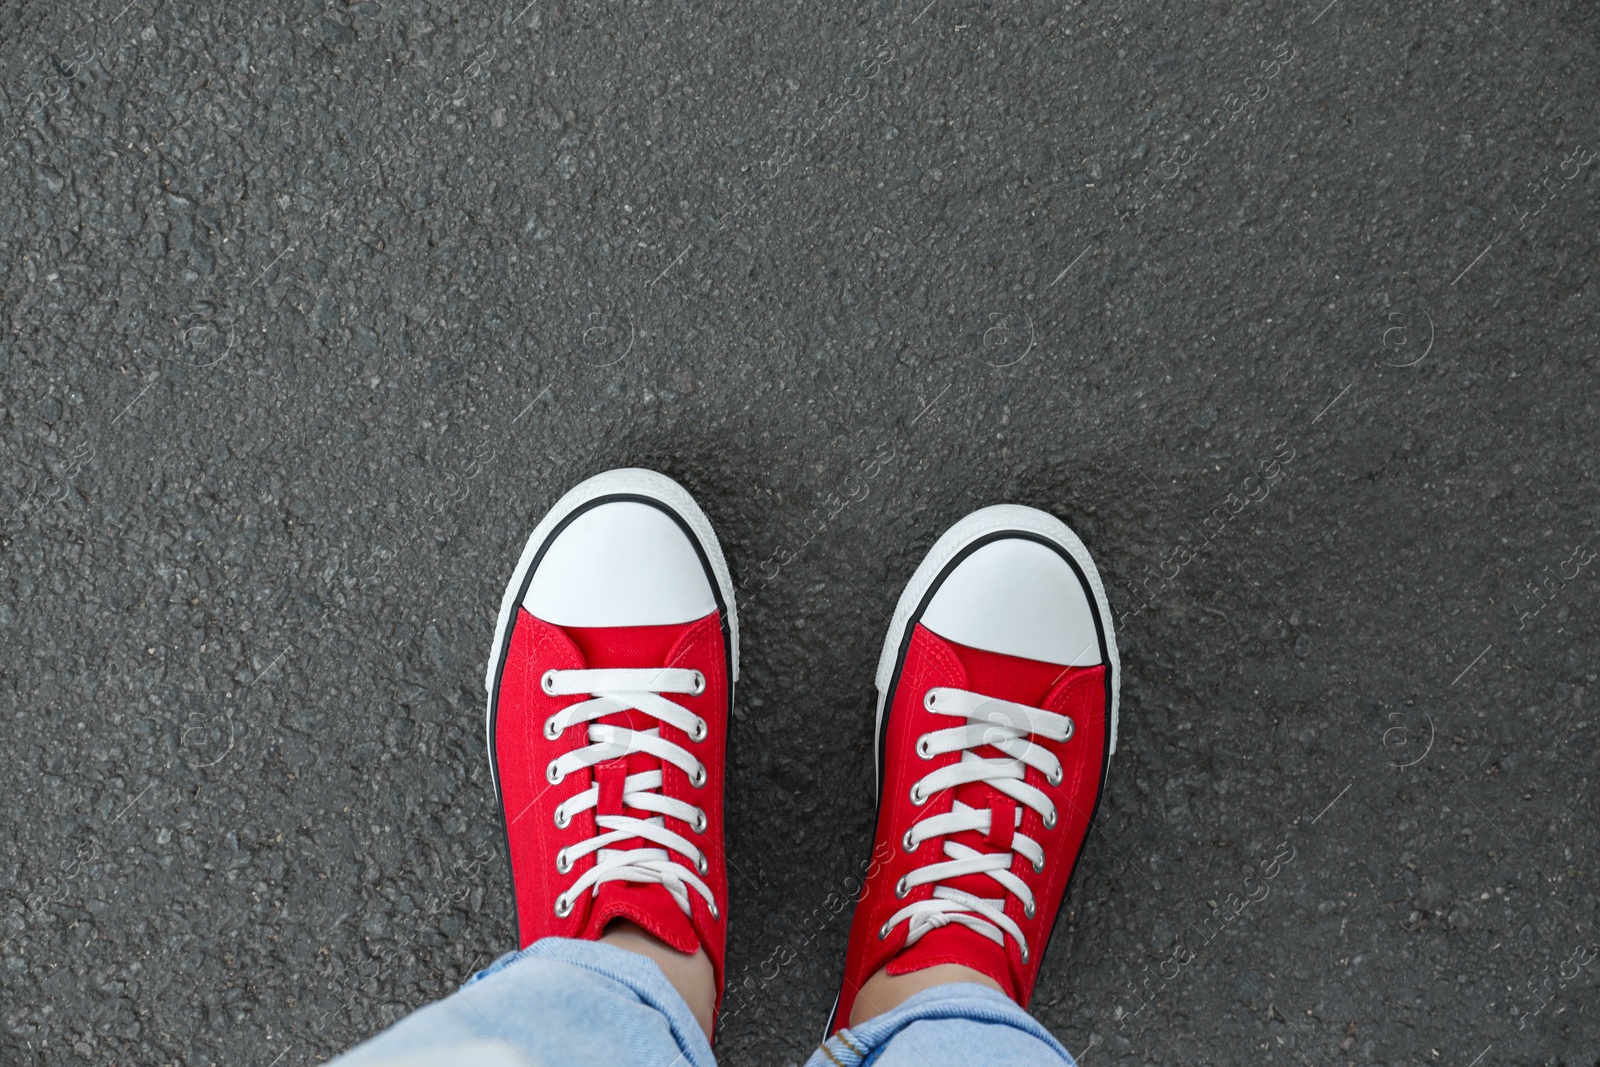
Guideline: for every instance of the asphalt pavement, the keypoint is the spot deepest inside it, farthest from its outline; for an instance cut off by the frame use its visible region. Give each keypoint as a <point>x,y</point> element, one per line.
<point>308,311</point>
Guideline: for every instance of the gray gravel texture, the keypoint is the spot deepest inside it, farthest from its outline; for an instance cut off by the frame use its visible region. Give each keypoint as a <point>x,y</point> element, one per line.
<point>311,309</point>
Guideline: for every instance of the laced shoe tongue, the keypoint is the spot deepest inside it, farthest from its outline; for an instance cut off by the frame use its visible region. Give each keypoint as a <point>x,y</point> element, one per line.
<point>954,943</point>
<point>648,904</point>
<point>1022,681</point>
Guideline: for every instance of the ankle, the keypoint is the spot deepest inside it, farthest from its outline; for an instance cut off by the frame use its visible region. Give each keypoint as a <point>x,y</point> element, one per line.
<point>884,992</point>
<point>689,972</point>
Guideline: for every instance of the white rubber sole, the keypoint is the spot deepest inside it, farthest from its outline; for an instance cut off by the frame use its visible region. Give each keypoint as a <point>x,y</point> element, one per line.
<point>624,482</point>
<point>982,524</point>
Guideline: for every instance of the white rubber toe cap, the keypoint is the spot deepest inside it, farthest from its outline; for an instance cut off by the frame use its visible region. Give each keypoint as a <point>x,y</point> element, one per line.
<point>1017,597</point>
<point>620,563</point>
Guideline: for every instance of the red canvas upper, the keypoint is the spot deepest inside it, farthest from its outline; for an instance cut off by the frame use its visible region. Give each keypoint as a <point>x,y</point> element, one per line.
<point>932,661</point>
<point>523,753</point>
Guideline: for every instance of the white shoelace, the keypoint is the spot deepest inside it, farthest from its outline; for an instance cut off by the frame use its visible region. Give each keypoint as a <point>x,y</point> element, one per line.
<point>1008,727</point>
<point>611,691</point>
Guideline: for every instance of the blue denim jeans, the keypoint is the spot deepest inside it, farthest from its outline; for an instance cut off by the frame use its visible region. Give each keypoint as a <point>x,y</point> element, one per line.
<point>565,1003</point>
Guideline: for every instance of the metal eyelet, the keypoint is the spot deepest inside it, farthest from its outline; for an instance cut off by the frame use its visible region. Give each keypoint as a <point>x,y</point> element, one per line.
<point>563,906</point>
<point>700,730</point>
<point>1038,867</point>
<point>1070,728</point>
<point>924,749</point>
<point>927,701</point>
<point>883,932</point>
<point>901,888</point>
<point>1028,910</point>
<point>550,731</point>
<point>1050,819</point>
<point>715,914</point>
<point>907,844</point>
<point>562,824</point>
<point>917,796</point>
<point>551,776</point>
<point>548,684</point>
<point>701,865</point>
<point>699,823</point>
<point>1055,779</point>
<point>699,684</point>
<point>698,778</point>
<point>1024,952</point>
<point>563,862</point>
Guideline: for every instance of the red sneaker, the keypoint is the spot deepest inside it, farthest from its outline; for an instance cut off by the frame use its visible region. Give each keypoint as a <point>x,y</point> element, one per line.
<point>997,716</point>
<point>610,683</point>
